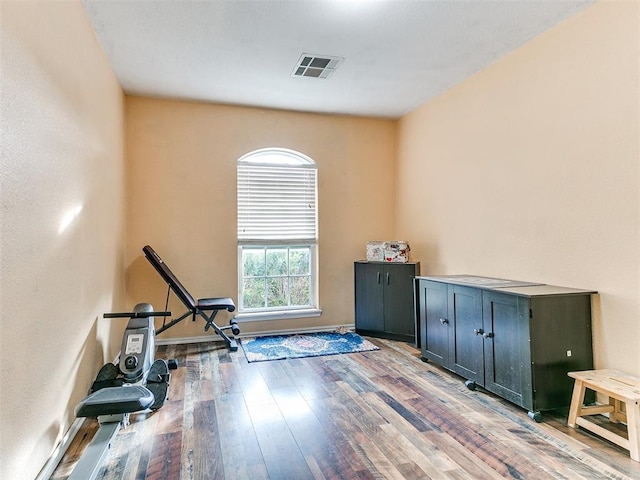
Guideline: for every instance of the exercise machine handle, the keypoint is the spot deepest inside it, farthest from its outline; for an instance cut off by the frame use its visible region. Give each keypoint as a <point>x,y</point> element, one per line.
<point>136,314</point>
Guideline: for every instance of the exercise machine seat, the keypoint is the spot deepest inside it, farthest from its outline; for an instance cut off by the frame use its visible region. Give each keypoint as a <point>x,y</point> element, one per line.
<point>115,400</point>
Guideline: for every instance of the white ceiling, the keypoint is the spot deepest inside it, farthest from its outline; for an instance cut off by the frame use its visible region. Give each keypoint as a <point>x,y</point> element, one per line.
<point>397,53</point>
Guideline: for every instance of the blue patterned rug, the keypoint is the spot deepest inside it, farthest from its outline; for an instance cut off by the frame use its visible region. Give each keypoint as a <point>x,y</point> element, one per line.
<point>278,347</point>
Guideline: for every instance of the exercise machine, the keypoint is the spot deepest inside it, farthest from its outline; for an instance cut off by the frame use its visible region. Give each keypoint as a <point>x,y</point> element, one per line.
<point>206,308</point>
<point>137,383</point>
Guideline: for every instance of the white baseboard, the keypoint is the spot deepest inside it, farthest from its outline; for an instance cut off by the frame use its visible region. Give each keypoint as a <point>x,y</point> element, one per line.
<point>216,338</point>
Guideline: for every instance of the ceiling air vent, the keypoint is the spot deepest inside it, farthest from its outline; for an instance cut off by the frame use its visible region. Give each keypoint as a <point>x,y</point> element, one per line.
<point>318,66</point>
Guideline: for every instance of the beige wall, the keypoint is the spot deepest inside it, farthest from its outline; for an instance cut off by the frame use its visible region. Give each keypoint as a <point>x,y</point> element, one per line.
<point>530,170</point>
<point>62,147</point>
<point>182,198</point>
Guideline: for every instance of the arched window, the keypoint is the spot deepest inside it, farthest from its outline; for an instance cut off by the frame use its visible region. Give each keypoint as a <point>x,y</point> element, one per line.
<point>277,234</point>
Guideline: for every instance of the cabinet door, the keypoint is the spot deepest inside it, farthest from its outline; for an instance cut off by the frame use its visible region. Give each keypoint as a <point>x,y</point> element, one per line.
<point>465,307</point>
<point>435,327</point>
<point>369,296</point>
<point>398,299</point>
<point>506,347</point>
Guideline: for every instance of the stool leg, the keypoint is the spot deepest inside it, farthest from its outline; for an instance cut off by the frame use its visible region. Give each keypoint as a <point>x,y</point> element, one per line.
<point>614,417</point>
<point>576,403</point>
<point>633,429</point>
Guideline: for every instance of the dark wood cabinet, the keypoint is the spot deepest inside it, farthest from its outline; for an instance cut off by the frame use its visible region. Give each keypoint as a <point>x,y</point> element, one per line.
<point>384,305</point>
<point>515,339</point>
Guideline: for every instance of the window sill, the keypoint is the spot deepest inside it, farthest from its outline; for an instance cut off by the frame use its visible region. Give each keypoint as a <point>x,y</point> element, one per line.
<point>277,315</point>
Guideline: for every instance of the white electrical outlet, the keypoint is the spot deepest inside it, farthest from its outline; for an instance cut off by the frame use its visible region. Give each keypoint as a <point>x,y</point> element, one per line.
<point>568,353</point>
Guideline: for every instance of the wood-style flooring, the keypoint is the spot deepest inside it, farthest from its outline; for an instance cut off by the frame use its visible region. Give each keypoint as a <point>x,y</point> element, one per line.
<point>376,415</point>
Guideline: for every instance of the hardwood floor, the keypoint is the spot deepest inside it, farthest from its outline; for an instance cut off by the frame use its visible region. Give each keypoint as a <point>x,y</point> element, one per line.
<point>375,415</point>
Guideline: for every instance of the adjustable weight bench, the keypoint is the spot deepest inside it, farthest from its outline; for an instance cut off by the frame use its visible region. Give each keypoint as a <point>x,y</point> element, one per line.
<point>207,308</point>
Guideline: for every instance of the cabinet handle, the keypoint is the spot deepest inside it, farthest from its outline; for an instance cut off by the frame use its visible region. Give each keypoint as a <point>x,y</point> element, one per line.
<point>478,331</point>
<point>388,278</point>
<point>487,335</point>
<point>443,321</point>
<point>378,278</point>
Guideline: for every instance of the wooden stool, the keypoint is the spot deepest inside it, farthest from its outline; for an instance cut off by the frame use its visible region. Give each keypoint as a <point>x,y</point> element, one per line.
<point>620,388</point>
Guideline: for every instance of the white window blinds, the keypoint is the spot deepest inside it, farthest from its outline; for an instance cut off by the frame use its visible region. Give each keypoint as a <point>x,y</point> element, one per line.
<point>277,203</point>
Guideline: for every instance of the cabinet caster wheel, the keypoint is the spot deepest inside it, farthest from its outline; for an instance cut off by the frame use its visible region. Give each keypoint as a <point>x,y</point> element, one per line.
<point>425,360</point>
<point>470,384</point>
<point>535,416</point>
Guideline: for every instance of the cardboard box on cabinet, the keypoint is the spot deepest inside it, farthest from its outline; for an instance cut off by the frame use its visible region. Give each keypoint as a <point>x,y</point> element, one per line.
<point>396,251</point>
<point>388,251</point>
<point>375,251</point>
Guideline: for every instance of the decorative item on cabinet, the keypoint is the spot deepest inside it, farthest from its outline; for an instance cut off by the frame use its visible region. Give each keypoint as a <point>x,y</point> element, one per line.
<point>394,251</point>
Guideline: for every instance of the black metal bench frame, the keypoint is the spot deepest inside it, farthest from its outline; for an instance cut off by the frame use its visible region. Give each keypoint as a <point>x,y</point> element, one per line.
<point>207,308</point>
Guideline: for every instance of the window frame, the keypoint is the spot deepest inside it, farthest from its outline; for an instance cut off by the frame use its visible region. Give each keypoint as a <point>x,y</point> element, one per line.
<point>286,159</point>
